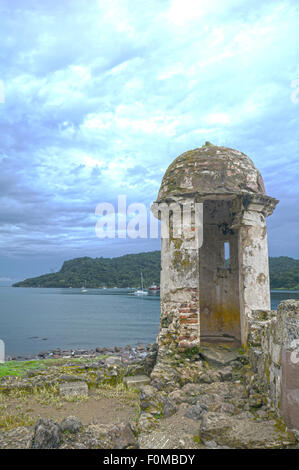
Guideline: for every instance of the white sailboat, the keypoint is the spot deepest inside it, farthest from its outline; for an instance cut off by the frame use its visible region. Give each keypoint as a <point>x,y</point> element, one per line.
<point>142,291</point>
<point>83,288</point>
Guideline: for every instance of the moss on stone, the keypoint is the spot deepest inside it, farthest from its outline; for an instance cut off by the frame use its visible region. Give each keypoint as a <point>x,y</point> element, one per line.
<point>280,425</point>
<point>197,440</point>
<point>206,167</point>
<point>267,368</point>
<point>177,243</point>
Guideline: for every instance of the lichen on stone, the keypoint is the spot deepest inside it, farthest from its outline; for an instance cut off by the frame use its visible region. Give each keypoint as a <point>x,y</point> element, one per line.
<point>211,170</point>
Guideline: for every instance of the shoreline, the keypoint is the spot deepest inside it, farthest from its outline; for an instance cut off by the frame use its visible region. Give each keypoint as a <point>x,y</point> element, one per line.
<point>274,289</point>
<point>127,352</point>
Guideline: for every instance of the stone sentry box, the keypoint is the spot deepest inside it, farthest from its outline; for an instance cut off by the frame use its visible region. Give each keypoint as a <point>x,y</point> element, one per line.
<point>205,296</point>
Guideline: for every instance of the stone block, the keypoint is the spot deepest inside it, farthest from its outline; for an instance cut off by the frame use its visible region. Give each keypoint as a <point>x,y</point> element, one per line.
<point>276,353</point>
<point>136,381</point>
<point>47,434</point>
<point>72,389</point>
<point>71,424</point>
<point>219,357</point>
<point>244,433</point>
<point>113,360</point>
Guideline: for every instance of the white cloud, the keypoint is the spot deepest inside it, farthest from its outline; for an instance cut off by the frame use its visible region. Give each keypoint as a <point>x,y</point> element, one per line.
<point>113,92</point>
<point>181,12</point>
<point>97,121</point>
<point>218,118</point>
<point>91,162</point>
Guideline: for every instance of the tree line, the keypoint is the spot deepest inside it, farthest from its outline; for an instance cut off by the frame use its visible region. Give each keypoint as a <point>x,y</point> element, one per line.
<point>124,271</point>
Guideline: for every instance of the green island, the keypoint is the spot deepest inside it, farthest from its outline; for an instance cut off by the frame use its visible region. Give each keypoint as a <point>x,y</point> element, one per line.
<point>124,271</point>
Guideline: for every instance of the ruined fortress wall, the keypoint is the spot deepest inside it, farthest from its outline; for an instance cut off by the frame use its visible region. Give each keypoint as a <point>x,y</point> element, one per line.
<point>179,322</point>
<point>254,265</point>
<point>274,354</point>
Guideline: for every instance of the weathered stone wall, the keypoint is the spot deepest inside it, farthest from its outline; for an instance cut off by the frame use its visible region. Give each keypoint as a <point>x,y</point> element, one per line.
<point>179,323</point>
<point>254,265</point>
<point>273,347</point>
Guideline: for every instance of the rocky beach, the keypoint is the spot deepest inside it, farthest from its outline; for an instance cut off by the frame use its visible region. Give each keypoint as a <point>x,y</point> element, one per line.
<point>127,352</point>
<point>124,398</point>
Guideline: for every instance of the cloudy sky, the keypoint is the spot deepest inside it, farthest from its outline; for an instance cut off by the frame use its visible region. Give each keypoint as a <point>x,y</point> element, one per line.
<point>97,97</point>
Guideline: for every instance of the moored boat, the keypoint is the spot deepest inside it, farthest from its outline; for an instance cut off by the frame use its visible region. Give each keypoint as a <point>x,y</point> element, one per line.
<point>154,288</point>
<point>141,291</point>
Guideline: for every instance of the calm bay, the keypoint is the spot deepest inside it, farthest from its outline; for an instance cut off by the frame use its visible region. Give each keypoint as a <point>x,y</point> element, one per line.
<point>39,319</point>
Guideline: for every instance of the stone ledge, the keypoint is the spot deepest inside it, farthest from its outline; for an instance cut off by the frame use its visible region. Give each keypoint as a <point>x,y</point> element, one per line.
<point>136,381</point>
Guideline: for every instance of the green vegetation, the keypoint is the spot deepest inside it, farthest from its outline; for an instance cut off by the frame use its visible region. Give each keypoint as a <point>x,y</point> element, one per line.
<point>284,273</point>
<point>124,271</point>
<point>10,420</point>
<point>19,368</point>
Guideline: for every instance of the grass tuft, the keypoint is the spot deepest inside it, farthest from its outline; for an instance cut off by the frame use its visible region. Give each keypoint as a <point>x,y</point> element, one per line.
<point>126,395</point>
<point>19,368</point>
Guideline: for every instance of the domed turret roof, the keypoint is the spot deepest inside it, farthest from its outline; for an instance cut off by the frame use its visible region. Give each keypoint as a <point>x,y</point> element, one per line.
<point>211,170</point>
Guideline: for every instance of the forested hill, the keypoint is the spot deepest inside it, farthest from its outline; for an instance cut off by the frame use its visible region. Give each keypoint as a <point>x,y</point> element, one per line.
<point>124,271</point>
<point>284,273</point>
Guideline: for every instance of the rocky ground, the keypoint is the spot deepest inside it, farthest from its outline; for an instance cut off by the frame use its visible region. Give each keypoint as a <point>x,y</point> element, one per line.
<point>205,398</point>
<point>126,352</point>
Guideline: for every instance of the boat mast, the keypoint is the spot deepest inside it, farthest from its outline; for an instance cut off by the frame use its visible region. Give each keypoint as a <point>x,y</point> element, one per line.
<point>141,280</point>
